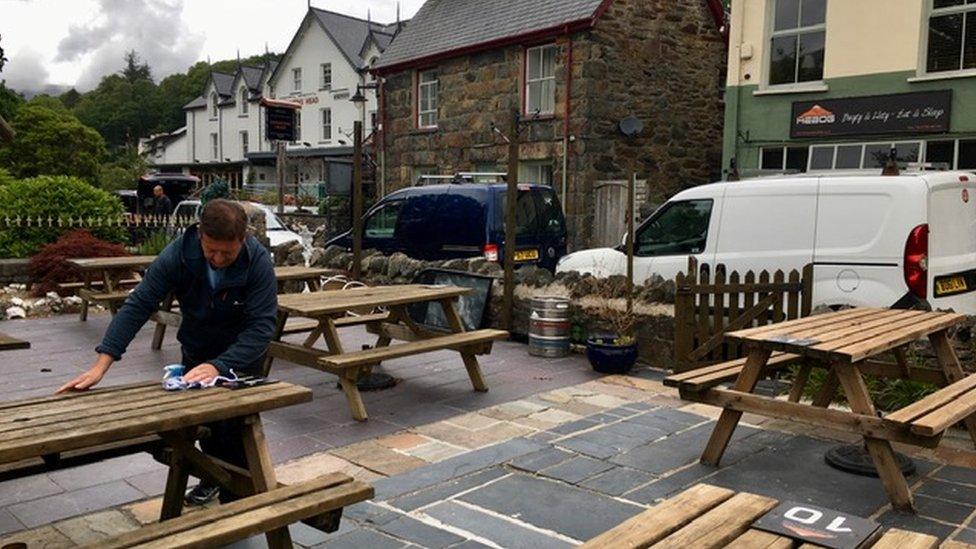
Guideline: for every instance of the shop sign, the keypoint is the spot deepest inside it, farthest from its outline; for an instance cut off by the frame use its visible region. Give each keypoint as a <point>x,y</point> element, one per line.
<point>279,123</point>
<point>904,113</point>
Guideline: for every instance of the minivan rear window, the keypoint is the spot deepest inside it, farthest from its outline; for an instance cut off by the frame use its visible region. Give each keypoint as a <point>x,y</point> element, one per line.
<point>677,228</point>
<point>527,215</point>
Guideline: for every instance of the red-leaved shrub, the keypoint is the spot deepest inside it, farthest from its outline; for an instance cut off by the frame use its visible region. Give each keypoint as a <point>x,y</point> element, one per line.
<point>49,267</point>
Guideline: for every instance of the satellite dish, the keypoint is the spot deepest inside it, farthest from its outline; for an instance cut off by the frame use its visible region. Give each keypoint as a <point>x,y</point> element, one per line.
<point>631,126</point>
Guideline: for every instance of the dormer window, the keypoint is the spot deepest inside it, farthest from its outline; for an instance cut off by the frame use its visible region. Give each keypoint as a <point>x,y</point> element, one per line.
<point>214,105</point>
<point>242,101</point>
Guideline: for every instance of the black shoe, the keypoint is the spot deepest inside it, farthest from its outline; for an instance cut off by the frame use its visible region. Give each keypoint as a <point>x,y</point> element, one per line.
<point>202,493</point>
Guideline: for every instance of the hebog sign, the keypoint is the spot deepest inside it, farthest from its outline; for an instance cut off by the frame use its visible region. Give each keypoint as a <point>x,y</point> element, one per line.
<point>921,112</point>
<point>279,119</point>
<point>824,527</point>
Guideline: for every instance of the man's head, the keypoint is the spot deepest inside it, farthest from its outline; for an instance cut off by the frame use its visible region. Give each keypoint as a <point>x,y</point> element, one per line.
<point>223,226</point>
<point>158,191</point>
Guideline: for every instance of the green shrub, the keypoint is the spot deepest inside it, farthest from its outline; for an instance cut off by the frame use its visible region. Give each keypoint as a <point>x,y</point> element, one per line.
<point>217,189</point>
<point>53,197</point>
<point>155,243</point>
<point>5,177</point>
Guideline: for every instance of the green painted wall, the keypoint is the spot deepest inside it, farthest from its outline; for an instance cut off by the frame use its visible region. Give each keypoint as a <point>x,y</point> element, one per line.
<point>763,120</point>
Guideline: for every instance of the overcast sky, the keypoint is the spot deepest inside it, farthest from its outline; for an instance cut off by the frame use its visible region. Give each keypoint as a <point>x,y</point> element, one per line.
<point>77,42</point>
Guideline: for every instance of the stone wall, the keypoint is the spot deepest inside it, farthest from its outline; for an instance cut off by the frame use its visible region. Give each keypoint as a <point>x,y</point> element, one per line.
<point>656,59</point>
<point>594,301</point>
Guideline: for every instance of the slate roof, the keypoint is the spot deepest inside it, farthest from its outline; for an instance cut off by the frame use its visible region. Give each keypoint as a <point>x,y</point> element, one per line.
<point>224,83</point>
<point>351,33</point>
<point>252,77</point>
<point>443,26</point>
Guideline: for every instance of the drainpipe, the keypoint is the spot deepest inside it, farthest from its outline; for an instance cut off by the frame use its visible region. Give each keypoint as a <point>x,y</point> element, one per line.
<point>382,135</point>
<point>569,107</point>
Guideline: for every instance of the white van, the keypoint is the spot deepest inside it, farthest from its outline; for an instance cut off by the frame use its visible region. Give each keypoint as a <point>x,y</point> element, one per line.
<point>878,241</point>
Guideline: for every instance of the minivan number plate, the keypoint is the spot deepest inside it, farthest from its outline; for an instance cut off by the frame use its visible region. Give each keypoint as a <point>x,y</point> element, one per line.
<point>526,255</point>
<point>950,285</point>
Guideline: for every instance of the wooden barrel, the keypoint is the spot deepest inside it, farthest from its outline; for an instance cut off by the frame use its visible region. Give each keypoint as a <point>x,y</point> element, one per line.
<point>549,327</point>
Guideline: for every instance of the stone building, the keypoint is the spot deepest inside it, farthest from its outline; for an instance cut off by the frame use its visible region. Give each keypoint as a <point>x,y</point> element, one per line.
<point>573,69</point>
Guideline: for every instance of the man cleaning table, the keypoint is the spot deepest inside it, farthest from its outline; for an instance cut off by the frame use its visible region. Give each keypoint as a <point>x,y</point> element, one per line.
<point>225,283</point>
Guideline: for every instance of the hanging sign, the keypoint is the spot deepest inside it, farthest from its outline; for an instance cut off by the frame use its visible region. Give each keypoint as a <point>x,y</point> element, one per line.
<point>279,119</point>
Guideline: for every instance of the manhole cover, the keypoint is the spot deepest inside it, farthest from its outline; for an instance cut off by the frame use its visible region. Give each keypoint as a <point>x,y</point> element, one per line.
<point>854,458</point>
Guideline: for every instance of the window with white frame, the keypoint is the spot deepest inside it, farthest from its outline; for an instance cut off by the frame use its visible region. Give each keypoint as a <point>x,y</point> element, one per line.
<point>326,82</point>
<point>214,105</point>
<point>427,99</point>
<point>783,159</point>
<point>540,80</point>
<point>245,143</point>
<point>214,147</point>
<point>296,80</point>
<point>796,52</point>
<point>242,101</point>
<point>954,154</point>
<point>951,36</point>
<point>538,172</point>
<point>326,124</point>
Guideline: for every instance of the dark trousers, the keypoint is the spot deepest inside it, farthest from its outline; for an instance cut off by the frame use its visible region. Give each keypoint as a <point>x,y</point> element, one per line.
<point>226,440</point>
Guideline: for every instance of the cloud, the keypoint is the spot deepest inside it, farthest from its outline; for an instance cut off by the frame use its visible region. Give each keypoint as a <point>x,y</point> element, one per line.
<point>25,70</point>
<point>154,28</point>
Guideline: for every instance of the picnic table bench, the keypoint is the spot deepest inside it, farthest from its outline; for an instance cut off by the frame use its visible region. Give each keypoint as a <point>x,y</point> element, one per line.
<point>329,310</point>
<point>9,343</point>
<point>169,316</point>
<point>847,344</point>
<point>708,517</point>
<point>59,424</point>
<point>111,271</point>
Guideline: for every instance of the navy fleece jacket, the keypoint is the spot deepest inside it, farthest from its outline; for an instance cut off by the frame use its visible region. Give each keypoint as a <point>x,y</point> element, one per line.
<point>229,326</point>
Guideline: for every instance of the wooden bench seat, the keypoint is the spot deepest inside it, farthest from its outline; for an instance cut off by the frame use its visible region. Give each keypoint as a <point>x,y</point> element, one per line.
<point>116,296</point>
<point>705,378</point>
<point>942,409</point>
<point>301,326</point>
<point>260,513</point>
<point>96,284</point>
<point>479,340</point>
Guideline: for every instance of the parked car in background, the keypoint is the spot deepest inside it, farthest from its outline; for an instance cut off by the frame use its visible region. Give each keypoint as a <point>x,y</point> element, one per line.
<point>450,221</point>
<point>176,186</point>
<point>130,201</point>
<point>878,241</point>
<point>278,232</point>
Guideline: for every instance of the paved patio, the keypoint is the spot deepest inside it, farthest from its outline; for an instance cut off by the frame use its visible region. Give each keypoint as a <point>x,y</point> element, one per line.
<point>551,456</point>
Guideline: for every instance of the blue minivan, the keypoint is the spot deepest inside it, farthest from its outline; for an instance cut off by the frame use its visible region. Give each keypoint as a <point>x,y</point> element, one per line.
<point>450,221</point>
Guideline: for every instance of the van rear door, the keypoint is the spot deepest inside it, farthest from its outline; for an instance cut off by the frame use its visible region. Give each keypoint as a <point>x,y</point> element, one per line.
<point>952,242</point>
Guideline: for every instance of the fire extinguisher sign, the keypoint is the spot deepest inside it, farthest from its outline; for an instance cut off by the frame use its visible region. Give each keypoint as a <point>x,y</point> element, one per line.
<point>817,525</point>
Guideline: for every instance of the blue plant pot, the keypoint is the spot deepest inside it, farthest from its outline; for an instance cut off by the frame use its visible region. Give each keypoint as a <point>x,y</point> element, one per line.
<point>607,358</point>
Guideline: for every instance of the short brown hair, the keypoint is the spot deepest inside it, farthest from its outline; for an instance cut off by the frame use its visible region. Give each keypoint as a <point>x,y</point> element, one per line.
<point>223,220</point>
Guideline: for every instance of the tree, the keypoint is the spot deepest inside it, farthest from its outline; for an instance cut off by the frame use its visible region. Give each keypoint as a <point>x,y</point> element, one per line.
<point>10,101</point>
<point>135,71</point>
<point>70,98</point>
<point>51,141</point>
<point>2,58</point>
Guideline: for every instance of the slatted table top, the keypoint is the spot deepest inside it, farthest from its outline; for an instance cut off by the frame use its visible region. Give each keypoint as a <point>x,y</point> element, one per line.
<point>8,343</point>
<point>339,301</point>
<point>102,263</point>
<point>707,517</point>
<point>297,272</point>
<point>850,335</point>
<point>47,425</point>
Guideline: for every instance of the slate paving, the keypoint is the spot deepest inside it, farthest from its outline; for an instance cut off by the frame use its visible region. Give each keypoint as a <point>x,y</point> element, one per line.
<point>576,456</point>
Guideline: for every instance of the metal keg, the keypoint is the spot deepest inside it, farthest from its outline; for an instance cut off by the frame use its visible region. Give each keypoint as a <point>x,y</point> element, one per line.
<point>549,327</point>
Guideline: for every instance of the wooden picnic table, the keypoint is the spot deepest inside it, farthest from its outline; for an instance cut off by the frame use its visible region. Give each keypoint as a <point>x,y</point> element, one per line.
<point>48,426</point>
<point>846,343</point>
<point>330,310</point>
<point>167,316</point>
<point>710,517</point>
<point>8,343</point>
<point>109,271</point>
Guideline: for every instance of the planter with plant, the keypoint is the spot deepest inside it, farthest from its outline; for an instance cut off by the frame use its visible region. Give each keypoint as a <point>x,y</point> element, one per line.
<point>614,352</point>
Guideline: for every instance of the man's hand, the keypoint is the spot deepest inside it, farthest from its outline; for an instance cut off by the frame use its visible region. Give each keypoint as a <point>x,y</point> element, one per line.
<point>90,378</point>
<point>203,373</point>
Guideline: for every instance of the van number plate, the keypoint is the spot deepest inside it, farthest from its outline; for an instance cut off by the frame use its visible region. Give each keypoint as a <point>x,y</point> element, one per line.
<point>526,255</point>
<point>952,285</point>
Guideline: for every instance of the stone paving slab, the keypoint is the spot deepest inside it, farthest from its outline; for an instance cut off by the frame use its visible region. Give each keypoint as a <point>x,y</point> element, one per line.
<point>500,531</point>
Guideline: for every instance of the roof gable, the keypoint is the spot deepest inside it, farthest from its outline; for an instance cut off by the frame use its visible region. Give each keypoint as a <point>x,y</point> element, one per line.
<point>443,27</point>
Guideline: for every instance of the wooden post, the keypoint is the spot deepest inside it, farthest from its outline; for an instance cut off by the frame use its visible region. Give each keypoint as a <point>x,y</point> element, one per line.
<point>280,174</point>
<point>357,201</point>
<point>508,307</point>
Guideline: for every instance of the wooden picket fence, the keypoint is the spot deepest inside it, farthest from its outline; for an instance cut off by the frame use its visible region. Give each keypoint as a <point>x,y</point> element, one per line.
<point>705,308</point>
